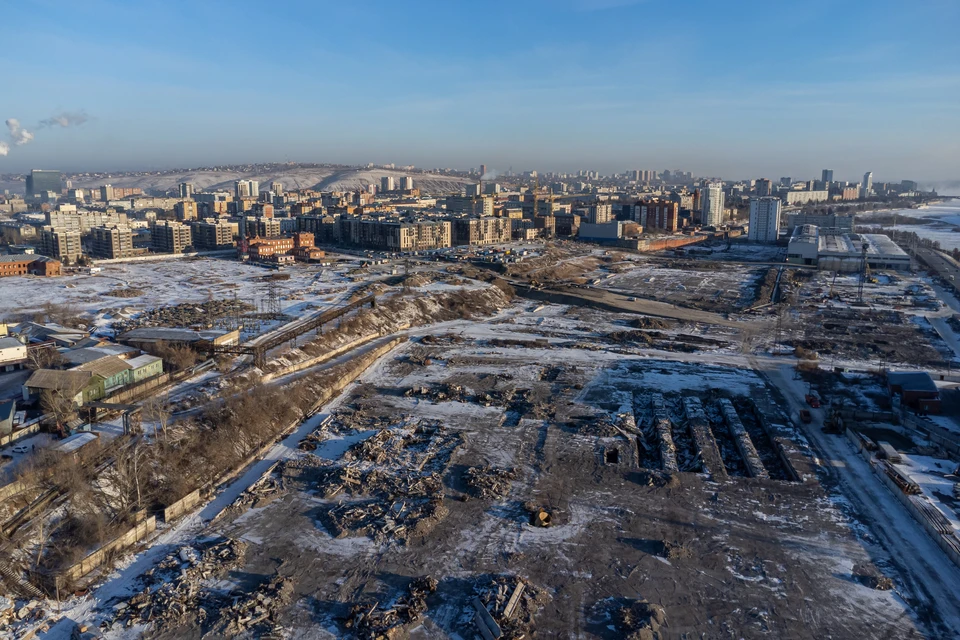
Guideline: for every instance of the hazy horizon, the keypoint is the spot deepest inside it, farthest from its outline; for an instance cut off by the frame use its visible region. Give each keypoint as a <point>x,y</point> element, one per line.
<point>749,90</point>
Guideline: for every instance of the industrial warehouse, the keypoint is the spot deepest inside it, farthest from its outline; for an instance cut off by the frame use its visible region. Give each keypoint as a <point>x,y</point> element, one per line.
<point>844,252</point>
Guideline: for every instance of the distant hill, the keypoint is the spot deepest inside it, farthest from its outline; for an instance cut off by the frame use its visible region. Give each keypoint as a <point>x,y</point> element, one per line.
<point>319,178</point>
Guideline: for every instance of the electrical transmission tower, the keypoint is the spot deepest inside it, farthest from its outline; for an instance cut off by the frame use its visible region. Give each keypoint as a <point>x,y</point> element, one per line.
<point>271,302</point>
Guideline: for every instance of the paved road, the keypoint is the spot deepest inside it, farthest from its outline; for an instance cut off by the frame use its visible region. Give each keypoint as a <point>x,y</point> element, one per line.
<point>932,581</point>
<point>946,267</point>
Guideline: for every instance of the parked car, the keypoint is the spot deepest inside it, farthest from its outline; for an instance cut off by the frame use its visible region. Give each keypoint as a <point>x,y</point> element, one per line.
<point>805,416</point>
<point>21,449</point>
<point>813,400</point>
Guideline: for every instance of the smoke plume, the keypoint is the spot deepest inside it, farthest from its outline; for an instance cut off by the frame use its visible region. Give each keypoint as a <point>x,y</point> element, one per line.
<point>65,119</point>
<point>18,135</point>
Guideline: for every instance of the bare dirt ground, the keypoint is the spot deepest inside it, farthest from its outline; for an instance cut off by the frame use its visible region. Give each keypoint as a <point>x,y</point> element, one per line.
<point>388,493</point>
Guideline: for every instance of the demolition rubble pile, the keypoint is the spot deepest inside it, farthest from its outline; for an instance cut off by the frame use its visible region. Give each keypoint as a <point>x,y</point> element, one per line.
<point>167,601</point>
<point>662,426</point>
<point>399,471</point>
<point>371,621</point>
<point>742,439</point>
<point>868,575</point>
<point>504,608</point>
<point>256,612</point>
<point>188,314</point>
<point>439,393</point>
<point>263,491</point>
<point>602,426</point>
<point>489,482</point>
<point>13,616</point>
<point>699,427</point>
<point>641,620</point>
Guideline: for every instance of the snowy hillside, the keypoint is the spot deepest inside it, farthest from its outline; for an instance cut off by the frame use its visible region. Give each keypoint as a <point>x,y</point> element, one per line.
<point>324,178</point>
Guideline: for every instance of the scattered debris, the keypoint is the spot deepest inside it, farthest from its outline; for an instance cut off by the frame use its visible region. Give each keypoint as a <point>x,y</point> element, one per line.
<point>640,620</point>
<point>505,607</point>
<point>489,482</point>
<point>371,621</point>
<point>168,600</point>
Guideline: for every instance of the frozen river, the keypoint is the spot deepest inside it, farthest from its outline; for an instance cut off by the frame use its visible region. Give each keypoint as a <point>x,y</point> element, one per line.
<point>944,226</point>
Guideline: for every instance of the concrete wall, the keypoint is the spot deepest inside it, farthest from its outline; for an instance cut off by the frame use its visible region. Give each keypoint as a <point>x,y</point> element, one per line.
<point>312,362</point>
<point>662,243</point>
<point>169,256</point>
<point>20,433</point>
<point>98,557</point>
<point>12,489</point>
<point>181,506</point>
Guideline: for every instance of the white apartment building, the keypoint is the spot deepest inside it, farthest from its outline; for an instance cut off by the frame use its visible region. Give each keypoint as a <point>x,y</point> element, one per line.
<point>764,219</point>
<point>711,207</point>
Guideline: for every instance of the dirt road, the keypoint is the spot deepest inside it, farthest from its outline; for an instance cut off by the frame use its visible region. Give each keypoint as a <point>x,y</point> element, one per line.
<point>617,302</point>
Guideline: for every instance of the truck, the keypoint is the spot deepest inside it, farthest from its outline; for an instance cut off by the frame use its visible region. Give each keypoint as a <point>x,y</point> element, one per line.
<point>805,416</point>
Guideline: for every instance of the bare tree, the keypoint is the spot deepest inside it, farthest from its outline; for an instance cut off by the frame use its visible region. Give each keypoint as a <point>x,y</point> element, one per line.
<point>58,404</point>
<point>178,357</point>
<point>122,483</point>
<point>157,409</point>
<point>44,357</point>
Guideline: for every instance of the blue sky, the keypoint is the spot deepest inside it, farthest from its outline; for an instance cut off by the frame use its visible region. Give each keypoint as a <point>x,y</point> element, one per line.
<point>736,88</point>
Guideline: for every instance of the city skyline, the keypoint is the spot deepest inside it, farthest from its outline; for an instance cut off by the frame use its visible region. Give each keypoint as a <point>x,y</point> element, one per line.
<point>755,90</point>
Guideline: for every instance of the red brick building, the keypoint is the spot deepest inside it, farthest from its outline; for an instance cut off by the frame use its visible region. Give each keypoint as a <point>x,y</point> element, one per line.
<point>22,265</point>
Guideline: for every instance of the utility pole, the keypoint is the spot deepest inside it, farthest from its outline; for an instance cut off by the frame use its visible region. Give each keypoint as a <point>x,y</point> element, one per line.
<point>863,272</point>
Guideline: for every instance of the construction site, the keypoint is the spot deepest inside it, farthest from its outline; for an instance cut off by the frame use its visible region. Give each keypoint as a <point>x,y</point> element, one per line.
<point>586,443</point>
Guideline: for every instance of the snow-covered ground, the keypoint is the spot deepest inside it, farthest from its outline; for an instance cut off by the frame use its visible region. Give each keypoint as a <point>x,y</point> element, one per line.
<point>174,282</point>
<point>943,225</point>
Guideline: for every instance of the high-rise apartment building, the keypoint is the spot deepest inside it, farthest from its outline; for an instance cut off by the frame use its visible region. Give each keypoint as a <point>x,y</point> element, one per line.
<point>711,205</point>
<point>866,187</point>
<point>246,188</point>
<point>106,193</point>
<point>186,190</point>
<point>764,188</point>
<point>599,213</point>
<point>387,184</point>
<point>111,242</point>
<point>471,205</point>
<point>211,234</point>
<point>170,237</point>
<point>68,218</point>
<point>483,170</point>
<point>185,210</point>
<point>786,181</point>
<point>276,188</point>
<point>764,219</point>
<point>472,190</point>
<point>406,183</point>
<point>480,231</point>
<point>262,227</point>
<point>40,181</point>
<point>60,243</point>
<point>827,177</point>
<point>656,215</point>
